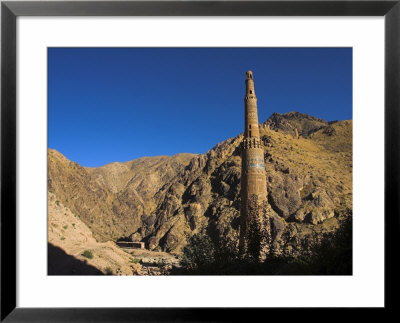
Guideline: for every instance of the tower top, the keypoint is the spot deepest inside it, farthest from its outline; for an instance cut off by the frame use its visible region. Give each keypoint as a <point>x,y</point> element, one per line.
<point>249,75</point>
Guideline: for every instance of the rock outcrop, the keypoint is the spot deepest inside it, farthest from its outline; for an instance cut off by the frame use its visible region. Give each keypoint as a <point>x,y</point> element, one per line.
<point>295,122</point>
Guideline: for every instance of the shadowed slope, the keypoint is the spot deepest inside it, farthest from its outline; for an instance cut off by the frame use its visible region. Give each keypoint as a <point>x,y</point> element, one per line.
<point>60,263</point>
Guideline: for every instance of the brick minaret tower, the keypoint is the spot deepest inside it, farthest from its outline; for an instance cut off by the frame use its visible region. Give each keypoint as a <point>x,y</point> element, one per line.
<point>253,167</point>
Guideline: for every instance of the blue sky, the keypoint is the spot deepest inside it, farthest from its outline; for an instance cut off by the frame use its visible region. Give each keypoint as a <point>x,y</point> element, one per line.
<point>119,104</point>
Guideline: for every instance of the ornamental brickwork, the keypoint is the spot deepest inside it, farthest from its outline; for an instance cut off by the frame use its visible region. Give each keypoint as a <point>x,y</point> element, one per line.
<point>253,180</point>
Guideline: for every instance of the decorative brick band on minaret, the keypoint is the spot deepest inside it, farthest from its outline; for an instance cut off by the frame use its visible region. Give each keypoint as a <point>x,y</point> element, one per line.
<point>253,180</point>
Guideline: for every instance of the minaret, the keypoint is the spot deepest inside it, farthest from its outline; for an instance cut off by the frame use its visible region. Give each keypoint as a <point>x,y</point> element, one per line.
<point>253,167</point>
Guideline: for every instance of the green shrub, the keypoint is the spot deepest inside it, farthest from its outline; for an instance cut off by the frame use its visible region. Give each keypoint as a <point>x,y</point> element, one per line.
<point>65,227</point>
<point>198,253</point>
<point>134,260</point>
<point>326,254</point>
<point>109,271</point>
<point>333,254</point>
<point>88,254</point>
<point>58,202</point>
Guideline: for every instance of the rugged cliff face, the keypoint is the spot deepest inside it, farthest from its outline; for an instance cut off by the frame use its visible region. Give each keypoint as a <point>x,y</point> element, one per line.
<point>162,200</point>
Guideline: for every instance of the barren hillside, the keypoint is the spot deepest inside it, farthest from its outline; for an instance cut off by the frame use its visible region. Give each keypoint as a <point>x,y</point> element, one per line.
<point>162,200</point>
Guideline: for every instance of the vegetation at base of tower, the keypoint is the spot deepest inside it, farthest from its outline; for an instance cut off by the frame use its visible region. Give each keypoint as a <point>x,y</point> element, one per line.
<point>199,253</point>
<point>108,271</point>
<point>257,234</point>
<point>328,254</point>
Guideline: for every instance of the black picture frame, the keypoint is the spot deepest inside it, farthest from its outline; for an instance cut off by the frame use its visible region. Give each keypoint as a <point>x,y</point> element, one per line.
<point>10,10</point>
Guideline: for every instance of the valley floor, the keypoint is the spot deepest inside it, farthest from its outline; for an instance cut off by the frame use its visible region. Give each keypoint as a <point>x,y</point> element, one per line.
<point>153,263</point>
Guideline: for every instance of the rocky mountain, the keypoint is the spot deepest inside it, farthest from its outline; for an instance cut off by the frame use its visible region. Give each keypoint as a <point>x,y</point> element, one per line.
<point>163,200</point>
<point>290,121</point>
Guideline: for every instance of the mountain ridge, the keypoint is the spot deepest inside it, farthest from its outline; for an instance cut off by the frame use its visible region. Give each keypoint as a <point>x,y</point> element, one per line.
<point>163,199</point>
